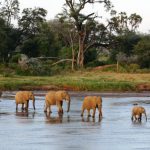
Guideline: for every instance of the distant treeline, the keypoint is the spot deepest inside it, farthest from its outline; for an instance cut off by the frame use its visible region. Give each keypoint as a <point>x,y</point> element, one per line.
<point>77,39</point>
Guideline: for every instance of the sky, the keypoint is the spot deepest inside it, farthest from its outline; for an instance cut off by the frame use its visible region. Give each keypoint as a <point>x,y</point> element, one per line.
<point>129,6</point>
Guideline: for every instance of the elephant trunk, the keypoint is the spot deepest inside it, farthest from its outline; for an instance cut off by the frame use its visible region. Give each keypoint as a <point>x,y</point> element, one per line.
<point>34,103</point>
<point>68,106</point>
<point>145,116</point>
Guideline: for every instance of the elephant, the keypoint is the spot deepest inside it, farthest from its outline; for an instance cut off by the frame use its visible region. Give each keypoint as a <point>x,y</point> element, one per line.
<point>23,97</point>
<point>137,112</point>
<point>56,98</point>
<point>92,102</point>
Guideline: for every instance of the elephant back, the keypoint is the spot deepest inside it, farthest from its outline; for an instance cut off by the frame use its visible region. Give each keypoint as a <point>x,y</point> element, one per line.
<point>50,97</point>
<point>24,95</point>
<point>137,110</point>
<point>89,102</point>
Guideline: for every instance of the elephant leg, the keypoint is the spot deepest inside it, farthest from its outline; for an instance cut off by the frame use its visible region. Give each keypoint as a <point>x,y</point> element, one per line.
<point>140,117</point>
<point>45,107</point>
<point>94,110</point>
<point>60,109</point>
<point>82,111</point>
<point>49,109</point>
<point>16,106</point>
<point>132,118</point>
<point>26,105</point>
<point>61,104</point>
<point>22,106</point>
<point>100,113</point>
<point>89,113</point>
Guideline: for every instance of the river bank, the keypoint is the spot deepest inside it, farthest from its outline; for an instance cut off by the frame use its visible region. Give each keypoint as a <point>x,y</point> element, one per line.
<point>38,94</point>
<point>79,81</point>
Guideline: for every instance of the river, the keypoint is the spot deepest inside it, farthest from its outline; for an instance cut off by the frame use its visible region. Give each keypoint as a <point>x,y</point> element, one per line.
<point>35,130</point>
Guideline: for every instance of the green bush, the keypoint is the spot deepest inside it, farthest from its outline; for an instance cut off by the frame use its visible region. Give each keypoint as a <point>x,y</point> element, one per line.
<point>15,58</point>
<point>95,63</point>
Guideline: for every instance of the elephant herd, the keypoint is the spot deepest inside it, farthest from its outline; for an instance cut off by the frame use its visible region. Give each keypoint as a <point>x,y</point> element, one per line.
<point>57,97</point>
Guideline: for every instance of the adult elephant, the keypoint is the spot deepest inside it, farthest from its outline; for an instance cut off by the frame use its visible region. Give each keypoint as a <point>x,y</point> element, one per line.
<point>56,98</point>
<point>23,97</point>
<point>92,102</point>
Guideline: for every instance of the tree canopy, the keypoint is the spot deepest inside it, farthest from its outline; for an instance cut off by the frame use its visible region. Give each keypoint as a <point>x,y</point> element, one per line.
<point>74,38</point>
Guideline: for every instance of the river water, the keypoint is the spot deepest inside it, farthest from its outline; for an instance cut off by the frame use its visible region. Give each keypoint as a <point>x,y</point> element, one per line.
<point>35,130</point>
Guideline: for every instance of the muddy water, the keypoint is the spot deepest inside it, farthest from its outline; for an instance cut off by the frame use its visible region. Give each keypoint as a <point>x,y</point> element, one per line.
<point>36,131</point>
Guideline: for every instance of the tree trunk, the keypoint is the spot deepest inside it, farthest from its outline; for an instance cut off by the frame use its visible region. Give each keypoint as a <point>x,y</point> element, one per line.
<point>117,66</point>
<point>73,58</point>
<point>73,52</point>
<point>80,58</point>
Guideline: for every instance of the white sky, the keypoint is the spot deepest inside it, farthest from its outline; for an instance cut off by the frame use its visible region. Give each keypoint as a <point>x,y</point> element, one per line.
<point>130,6</point>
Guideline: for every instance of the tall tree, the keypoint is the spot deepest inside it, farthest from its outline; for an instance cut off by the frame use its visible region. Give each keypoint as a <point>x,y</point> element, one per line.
<point>31,21</point>
<point>74,9</point>
<point>10,9</point>
<point>121,23</point>
<point>66,32</point>
<point>8,40</point>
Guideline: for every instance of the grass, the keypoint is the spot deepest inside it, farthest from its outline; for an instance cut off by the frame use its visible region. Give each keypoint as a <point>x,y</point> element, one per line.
<point>79,80</point>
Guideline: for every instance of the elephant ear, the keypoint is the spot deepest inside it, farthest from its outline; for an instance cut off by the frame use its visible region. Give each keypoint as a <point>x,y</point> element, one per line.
<point>100,98</point>
<point>30,94</point>
<point>60,95</point>
<point>63,94</point>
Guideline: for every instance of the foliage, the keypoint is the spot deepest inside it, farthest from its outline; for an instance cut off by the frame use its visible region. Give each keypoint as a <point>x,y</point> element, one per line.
<point>74,12</point>
<point>125,44</point>
<point>121,23</point>
<point>9,10</point>
<point>8,40</point>
<point>79,80</point>
<point>31,21</point>
<point>142,50</point>
<point>71,40</point>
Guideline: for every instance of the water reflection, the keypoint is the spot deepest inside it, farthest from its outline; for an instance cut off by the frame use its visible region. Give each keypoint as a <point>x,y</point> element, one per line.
<point>90,119</point>
<point>3,113</point>
<point>25,114</point>
<point>56,120</point>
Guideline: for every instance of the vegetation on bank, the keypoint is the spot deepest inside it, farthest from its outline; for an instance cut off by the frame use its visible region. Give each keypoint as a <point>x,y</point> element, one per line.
<point>52,54</point>
<point>94,80</point>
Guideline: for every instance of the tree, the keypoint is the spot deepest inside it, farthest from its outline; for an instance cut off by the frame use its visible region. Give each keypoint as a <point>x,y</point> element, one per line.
<point>142,50</point>
<point>123,28</point>
<point>30,26</point>
<point>31,21</point>
<point>66,33</point>
<point>74,10</point>
<point>121,23</point>
<point>124,44</point>
<point>47,42</point>
<point>9,10</point>
<point>3,38</point>
<point>8,40</point>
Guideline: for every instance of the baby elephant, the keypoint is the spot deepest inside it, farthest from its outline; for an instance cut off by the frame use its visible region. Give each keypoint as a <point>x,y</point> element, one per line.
<point>137,112</point>
<point>92,102</point>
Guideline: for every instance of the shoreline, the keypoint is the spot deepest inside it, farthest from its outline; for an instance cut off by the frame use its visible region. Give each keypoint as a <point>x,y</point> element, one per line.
<point>41,93</point>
